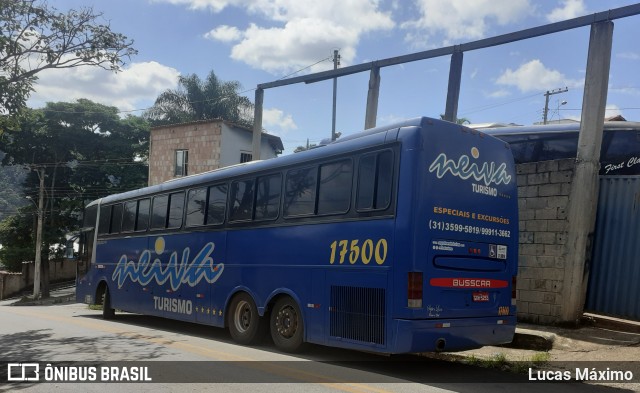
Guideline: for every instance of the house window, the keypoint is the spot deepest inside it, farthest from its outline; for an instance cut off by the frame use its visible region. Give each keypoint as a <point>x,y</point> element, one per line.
<point>245,157</point>
<point>182,162</point>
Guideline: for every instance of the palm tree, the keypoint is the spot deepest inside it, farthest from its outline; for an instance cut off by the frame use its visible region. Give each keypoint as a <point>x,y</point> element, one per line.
<point>195,99</point>
<point>460,120</point>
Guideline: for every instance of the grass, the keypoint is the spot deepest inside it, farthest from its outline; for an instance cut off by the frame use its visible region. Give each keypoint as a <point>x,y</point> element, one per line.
<point>500,361</point>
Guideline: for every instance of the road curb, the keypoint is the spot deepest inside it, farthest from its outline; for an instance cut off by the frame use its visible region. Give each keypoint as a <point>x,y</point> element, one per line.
<point>532,340</point>
<point>610,323</point>
<point>46,302</point>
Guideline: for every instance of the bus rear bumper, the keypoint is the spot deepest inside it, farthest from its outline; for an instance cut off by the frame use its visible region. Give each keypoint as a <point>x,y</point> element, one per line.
<point>451,335</point>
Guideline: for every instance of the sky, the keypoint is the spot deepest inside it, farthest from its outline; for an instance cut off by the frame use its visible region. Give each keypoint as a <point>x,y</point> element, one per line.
<point>259,41</point>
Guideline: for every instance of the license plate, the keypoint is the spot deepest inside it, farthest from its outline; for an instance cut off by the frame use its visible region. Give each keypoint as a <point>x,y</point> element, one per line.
<point>481,296</point>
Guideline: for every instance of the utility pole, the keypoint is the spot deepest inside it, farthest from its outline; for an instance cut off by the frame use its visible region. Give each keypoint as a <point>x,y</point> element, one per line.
<point>38,261</point>
<point>546,101</point>
<point>336,63</point>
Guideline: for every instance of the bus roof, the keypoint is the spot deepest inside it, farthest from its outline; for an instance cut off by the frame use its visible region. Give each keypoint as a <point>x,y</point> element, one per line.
<point>558,128</point>
<point>371,137</point>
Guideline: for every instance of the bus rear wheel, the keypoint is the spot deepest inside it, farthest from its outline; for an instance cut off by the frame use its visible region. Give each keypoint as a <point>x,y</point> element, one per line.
<point>107,311</point>
<point>245,325</point>
<point>286,325</point>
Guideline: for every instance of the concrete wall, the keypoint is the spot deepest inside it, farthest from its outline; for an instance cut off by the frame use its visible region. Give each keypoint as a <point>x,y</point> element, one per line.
<point>543,198</point>
<point>236,141</point>
<point>13,283</point>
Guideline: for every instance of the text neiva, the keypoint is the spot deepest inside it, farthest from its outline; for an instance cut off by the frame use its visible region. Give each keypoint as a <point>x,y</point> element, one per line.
<point>487,173</point>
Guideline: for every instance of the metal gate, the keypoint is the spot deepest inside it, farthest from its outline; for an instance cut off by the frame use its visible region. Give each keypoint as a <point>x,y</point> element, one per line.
<point>614,279</point>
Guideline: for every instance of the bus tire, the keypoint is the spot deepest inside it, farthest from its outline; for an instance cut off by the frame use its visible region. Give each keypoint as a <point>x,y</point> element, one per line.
<point>107,311</point>
<point>287,326</point>
<point>245,325</point>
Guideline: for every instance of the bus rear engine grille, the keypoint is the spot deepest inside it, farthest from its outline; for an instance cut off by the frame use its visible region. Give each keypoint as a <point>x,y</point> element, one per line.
<point>358,314</point>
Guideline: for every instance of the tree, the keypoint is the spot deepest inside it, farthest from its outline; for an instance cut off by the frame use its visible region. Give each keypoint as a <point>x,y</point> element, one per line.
<point>35,37</point>
<point>461,120</point>
<point>195,99</point>
<point>86,151</point>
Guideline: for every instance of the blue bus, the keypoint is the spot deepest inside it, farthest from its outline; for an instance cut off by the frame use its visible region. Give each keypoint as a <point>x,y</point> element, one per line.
<point>619,154</point>
<point>398,239</point>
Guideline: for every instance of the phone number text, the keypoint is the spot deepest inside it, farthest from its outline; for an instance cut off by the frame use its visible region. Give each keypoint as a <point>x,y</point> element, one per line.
<point>451,227</point>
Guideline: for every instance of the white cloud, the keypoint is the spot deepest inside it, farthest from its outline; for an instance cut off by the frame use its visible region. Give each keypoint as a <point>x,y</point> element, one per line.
<point>628,55</point>
<point>297,32</point>
<point>534,76</point>
<point>224,33</point>
<point>458,20</point>
<point>137,84</point>
<point>499,93</point>
<point>612,110</point>
<point>213,5</point>
<point>277,122</point>
<point>568,10</point>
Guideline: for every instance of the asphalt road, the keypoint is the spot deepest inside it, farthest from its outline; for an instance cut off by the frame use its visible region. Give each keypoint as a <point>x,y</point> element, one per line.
<point>185,357</point>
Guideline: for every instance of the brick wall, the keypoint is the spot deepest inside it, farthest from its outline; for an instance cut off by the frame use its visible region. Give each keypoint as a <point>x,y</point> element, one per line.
<point>543,197</point>
<point>201,139</point>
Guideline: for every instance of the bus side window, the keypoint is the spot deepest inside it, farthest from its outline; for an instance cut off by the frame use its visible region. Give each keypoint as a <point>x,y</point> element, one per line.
<point>142,219</point>
<point>555,148</point>
<point>129,216</point>
<point>159,211</point>
<point>216,204</point>
<point>623,146</point>
<point>105,220</point>
<point>268,197</point>
<point>196,206</point>
<point>523,149</point>
<point>241,200</point>
<point>300,192</point>
<point>176,208</point>
<point>375,181</point>
<point>334,193</point>
<point>116,218</point>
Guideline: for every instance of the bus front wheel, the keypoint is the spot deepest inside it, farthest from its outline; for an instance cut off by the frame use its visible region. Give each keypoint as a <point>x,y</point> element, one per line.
<point>287,327</point>
<point>245,324</point>
<point>107,311</point>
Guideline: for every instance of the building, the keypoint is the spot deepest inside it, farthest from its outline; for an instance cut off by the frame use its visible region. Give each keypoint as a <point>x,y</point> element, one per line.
<point>199,146</point>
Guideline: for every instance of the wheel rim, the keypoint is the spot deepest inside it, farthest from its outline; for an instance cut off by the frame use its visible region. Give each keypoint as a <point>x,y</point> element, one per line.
<point>287,322</point>
<point>242,316</point>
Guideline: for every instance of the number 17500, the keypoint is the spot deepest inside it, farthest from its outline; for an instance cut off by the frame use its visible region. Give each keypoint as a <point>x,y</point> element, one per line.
<point>364,253</point>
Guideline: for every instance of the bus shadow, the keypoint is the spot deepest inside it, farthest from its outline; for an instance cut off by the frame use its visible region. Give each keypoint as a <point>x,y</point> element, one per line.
<point>320,364</point>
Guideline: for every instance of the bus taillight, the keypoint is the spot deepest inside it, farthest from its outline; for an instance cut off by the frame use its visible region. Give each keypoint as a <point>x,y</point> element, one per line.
<point>414,290</point>
<point>514,281</point>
